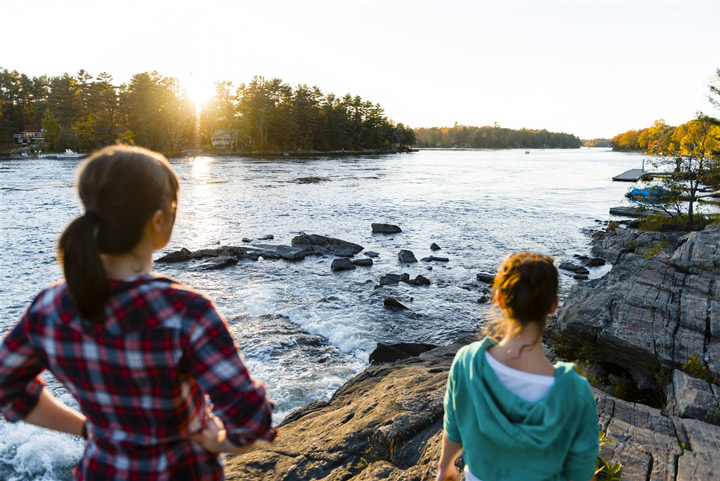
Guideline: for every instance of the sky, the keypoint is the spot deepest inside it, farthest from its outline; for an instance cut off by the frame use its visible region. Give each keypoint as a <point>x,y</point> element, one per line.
<point>591,68</point>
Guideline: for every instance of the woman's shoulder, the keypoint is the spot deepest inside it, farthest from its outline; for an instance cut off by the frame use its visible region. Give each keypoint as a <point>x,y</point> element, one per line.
<point>566,375</point>
<point>469,352</point>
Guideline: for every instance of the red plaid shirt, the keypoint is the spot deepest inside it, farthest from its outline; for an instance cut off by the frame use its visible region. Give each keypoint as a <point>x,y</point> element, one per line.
<point>140,378</point>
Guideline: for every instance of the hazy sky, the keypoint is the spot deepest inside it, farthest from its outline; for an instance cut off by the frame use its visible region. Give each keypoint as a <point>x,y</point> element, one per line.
<point>592,68</point>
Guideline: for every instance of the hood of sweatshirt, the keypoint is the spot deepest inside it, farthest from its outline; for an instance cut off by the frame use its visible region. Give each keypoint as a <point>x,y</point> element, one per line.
<point>510,420</point>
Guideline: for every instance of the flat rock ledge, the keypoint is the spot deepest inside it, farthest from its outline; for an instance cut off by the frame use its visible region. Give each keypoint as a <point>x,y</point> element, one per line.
<point>386,423</point>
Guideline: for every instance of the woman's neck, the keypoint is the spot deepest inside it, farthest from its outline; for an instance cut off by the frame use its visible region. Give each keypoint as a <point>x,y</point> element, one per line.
<point>522,349</point>
<point>125,266</point>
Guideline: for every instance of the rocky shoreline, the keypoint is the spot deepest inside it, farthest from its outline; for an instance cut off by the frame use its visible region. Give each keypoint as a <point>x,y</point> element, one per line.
<point>647,336</point>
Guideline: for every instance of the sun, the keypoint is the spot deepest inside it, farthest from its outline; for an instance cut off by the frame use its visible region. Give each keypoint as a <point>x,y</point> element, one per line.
<point>199,90</point>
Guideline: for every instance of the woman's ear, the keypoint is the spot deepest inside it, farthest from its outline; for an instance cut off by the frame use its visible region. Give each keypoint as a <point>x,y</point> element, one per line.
<point>160,227</point>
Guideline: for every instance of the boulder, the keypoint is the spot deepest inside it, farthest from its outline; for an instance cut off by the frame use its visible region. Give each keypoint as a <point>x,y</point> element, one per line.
<point>327,245</point>
<point>363,262</point>
<point>435,259</point>
<point>434,247</point>
<point>393,304</point>
<point>390,279</point>
<point>569,266</point>
<point>396,352</point>
<point>421,280</point>
<point>385,229</point>
<point>266,237</point>
<point>614,244</point>
<point>689,397</point>
<point>183,255</point>
<point>406,257</point>
<point>218,263</point>
<point>485,277</point>
<point>371,254</point>
<point>342,264</point>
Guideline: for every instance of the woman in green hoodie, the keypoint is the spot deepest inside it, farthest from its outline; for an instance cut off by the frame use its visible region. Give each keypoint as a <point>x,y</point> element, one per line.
<point>514,414</point>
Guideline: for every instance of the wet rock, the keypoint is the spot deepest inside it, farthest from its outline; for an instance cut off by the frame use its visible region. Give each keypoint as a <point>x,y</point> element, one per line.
<point>434,247</point>
<point>371,254</point>
<point>218,263</point>
<point>246,240</point>
<point>483,299</point>
<point>363,262</point>
<point>484,277</point>
<point>689,397</point>
<point>581,277</point>
<point>390,279</point>
<point>327,245</point>
<point>342,264</point>
<point>385,228</point>
<point>568,266</point>
<point>435,259</point>
<point>421,280</point>
<point>393,304</point>
<point>591,261</point>
<point>266,237</point>
<point>183,255</point>
<point>396,352</point>
<point>406,257</point>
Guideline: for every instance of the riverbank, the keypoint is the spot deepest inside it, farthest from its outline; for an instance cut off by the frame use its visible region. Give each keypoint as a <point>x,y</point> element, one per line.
<point>651,326</point>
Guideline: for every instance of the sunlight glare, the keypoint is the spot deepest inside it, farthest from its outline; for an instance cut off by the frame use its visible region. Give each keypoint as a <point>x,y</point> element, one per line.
<point>199,90</point>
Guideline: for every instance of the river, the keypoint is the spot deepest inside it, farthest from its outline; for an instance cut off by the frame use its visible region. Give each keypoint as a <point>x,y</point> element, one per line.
<point>301,328</point>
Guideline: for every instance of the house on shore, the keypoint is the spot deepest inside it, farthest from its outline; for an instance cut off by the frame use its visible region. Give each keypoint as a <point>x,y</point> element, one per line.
<point>224,139</point>
<point>31,134</point>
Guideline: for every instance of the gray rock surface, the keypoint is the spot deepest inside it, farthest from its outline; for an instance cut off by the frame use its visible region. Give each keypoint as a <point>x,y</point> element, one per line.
<point>406,257</point>
<point>689,397</point>
<point>342,264</point>
<point>385,228</point>
<point>327,245</point>
<point>647,313</point>
<point>386,423</point>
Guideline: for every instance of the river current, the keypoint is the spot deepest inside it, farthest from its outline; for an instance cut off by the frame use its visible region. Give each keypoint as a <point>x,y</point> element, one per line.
<point>301,328</point>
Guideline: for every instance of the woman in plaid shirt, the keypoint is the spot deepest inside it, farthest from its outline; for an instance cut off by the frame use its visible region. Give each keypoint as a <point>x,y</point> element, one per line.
<point>136,350</point>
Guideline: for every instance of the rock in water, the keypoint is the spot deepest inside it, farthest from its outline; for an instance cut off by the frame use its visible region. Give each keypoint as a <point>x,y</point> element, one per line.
<point>363,262</point>
<point>421,280</point>
<point>385,229</point>
<point>218,263</point>
<point>569,266</point>
<point>392,303</point>
<point>371,254</point>
<point>328,245</point>
<point>266,237</point>
<point>342,264</point>
<point>485,277</point>
<point>406,256</point>
<point>434,247</point>
<point>435,259</point>
<point>396,352</point>
<point>183,255</point>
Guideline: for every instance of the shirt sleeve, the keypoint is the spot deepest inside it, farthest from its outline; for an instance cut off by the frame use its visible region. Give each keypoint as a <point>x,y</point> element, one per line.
<point>449,419</point>
<point>241,402</point>
<point>20,366</point>
<point>580,460</point>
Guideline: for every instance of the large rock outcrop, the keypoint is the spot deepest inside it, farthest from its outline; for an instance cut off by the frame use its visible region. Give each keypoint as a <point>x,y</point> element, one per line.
<point>651,312</point>
<point>386,423</point>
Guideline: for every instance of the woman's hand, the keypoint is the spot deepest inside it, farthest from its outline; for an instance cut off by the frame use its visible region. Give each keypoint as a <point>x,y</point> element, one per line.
<point>447,474</point>
<point>212,437</point>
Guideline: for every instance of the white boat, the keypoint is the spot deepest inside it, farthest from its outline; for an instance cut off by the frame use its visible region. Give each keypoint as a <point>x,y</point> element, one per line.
<point>70,154</point>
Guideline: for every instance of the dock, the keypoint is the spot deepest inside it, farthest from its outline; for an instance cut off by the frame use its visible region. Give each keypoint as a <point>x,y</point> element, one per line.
<point>634,212</point>
<point>632,175</point>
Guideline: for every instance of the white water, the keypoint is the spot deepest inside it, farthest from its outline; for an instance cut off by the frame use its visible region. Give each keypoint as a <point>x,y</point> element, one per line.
<point>302,329</point>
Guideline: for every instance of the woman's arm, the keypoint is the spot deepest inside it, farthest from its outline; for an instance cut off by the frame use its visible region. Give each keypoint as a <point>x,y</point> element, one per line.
<point>52,414</point>
<point>446,467</point>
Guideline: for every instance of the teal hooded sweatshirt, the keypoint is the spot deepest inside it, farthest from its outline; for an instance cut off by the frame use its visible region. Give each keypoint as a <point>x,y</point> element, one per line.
<point>506,438</point>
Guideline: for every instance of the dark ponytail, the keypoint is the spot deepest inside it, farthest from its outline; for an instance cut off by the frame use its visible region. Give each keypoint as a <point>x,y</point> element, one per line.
<point>84,272</point>
<point>120,187</point>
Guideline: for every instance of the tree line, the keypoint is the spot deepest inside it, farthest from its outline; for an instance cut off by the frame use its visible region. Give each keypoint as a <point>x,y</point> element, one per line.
<point>494,137</point>
<point>663,139</point>
<point>82,112</point>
